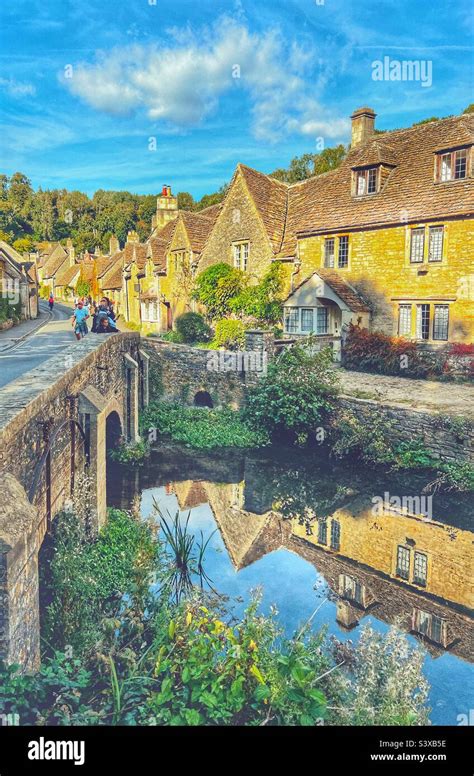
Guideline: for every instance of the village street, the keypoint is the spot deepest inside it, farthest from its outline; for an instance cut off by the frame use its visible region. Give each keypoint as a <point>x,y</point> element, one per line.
<point>22,350</point>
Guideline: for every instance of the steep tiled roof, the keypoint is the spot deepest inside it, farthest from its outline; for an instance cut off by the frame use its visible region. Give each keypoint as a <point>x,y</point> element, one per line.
<point>409,194</point>
<point>135,252</point>
<point>103,264</point>
<point>157,249</point>
<point>55,261</point>
<point>112,279</point>
<point>341,287</point>
<point>66,276</point>
<point>198,226</point>
<point>31,270</point>
<point>212,211</point>
<point>270,197</point>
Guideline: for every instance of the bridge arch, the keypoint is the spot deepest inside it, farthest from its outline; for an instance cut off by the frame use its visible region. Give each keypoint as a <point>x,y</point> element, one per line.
<point>203,399</point>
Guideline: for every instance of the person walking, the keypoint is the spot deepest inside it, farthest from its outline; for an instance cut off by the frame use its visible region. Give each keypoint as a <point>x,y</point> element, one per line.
<point>79,318</point>
<point>51,302</point>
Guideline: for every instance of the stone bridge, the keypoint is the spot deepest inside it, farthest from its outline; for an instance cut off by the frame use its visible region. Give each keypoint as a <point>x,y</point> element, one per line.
<point>56,424</point>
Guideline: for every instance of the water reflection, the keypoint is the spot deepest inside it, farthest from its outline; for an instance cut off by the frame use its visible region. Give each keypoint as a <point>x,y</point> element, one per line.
<point>393,565</point>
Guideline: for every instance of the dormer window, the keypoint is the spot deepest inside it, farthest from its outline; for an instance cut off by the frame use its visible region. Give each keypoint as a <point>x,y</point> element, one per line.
<point>366,181</point>
<point>452,165</point>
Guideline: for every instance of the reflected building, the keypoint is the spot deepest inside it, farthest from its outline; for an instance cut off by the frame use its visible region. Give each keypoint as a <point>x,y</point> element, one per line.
<point>392,564</point>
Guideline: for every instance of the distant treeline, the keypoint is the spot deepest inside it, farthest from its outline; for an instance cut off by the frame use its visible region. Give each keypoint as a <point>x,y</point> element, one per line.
<point>28,216</point>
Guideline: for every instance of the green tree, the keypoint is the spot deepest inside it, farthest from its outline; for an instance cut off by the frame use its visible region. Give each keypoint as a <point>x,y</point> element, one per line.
<point>262,301</point>
<point>212,199</point>
<point>186,201</point>
<point>307,165</point>
<point>216,286</point>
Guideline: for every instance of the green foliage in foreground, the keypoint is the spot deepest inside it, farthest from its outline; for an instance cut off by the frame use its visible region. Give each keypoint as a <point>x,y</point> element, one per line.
<point>91,577</point>
<point>141,659</point>
<point>192,328</point>
<point>201,428</point>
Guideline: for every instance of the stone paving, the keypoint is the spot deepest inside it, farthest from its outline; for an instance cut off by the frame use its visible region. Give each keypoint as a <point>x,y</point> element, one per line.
<point>445,398</point>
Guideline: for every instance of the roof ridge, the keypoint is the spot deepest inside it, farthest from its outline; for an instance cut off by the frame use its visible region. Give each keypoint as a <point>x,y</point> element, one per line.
<point>263,174</point>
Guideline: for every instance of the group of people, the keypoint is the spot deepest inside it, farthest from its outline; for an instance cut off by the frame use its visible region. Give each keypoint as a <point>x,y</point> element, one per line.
<point>102,315</point>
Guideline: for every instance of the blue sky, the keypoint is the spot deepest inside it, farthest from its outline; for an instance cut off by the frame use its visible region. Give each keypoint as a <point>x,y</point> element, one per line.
<point>131,94</point>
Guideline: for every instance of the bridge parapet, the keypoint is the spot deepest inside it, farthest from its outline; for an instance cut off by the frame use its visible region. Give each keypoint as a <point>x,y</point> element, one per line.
<point>54,426</point>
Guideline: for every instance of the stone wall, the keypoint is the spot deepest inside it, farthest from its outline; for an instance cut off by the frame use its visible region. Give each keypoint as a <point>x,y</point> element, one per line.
<point>19,589</point>
<point>52,421</point>
<point>444,438</point>
<point>179,372</point>
<point>35,404</point>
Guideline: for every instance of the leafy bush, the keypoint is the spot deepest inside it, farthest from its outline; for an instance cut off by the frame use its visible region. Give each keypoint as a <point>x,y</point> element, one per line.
<point>44,291</point>
<point>388,685</point>
<point>192,327</point>
<point>454,476</point>
<point>200,427</point>
<point>229,334</point>
<point>216,286</point>
<point>296,395</point>
<point>9,311</point>
<point>131,454</point>
<point>83,287</point>
<point>151,661</point>
<point>172,336</point>
<point>413,455</point>
<point>85,580</point>
<point>377,352</point>
<point>262,302</point>
<point>351,437</point>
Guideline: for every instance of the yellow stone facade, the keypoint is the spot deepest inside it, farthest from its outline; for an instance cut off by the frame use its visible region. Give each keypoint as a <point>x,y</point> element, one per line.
<point>373,540</point>
<point>239,223</point>
<point>379,267</point>
<point>176,284</point>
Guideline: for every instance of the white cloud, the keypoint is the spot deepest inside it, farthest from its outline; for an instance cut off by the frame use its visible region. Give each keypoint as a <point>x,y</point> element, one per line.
<point>17,88</point>
<point>182,82</point>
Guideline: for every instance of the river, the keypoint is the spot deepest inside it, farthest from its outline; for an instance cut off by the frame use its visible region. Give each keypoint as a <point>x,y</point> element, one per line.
<point>358,545</point>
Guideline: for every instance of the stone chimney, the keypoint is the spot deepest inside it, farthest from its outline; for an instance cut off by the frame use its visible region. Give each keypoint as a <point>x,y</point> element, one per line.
<point>132,237</point>
<point>71,252</point>
<point>363,125</point>
<point>114,245</point>
<point>166,208</point>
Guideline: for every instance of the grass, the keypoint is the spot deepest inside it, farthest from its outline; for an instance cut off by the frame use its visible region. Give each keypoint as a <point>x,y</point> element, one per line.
<point>201,428</point>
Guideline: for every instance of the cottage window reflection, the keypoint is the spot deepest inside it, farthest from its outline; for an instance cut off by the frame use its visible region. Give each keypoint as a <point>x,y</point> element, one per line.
<point>403,563</point>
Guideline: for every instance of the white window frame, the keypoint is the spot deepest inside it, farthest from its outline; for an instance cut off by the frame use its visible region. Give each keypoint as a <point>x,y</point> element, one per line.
<point>366,179</point>
<point>407,308</point>
<point>319,312</point>
<point>436,310</point>
<point>419,233</point>
<point>448,164</point>
<point>329,258</point>
<point>241,254</point>
<point>433,232</point>
<point>288,313</point>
